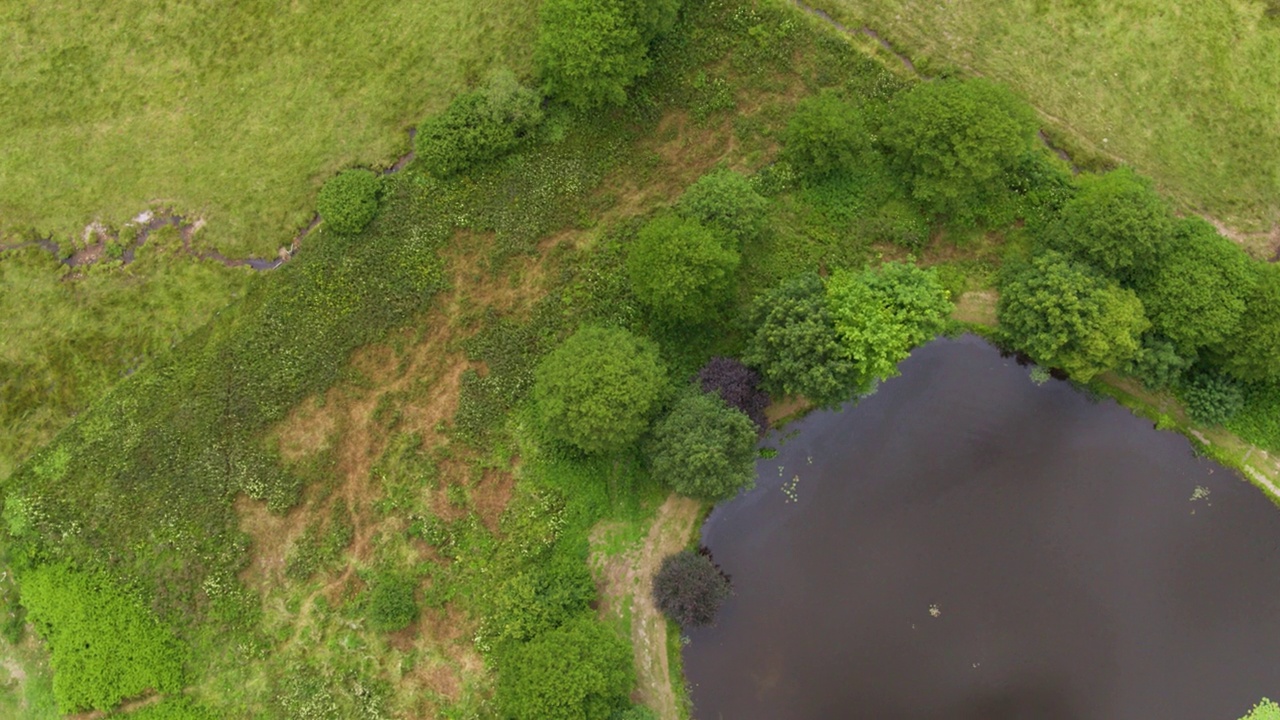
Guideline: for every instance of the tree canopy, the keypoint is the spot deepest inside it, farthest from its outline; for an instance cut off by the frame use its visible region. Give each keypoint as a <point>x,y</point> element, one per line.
<point>589,52</point>
<point>682,269</point>
<point>1116,223</point>
<point>726,200</point>
<point>1252,352</point>
<point>826,135</point>
<point>581,670</point>
<point>738,385</point>
<point>597,390</point>
<point>690,589</point>
<point>704,448</point>
<point>956,142</point>
<point>479,125</point>
<point>1066,315</point>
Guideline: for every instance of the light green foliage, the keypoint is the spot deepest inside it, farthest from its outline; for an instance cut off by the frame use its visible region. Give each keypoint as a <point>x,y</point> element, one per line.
<point>235,116</point>
<point>1253,350</point>
<point>392,604</point>
<point>349,200</point>
<point>589,52</point>
<point>635,712</point>
<point>705,449</point>
<point>478,126</point>
<point>727,200</point>
<point>540,597</point>
<point>597,390</point>
<point>1199,288</point>
<point>956,144</point>
<point>795,345</point>
<point>1264,710</point>
<point>1258,421</point>
<point>1065,315</point>
<point>106,646</point>
<point>826,135</point>
<point>1118,224</point>
<point>579,671</point>
<point>1212,399</point>
<point>682,269</point>
<point>171,708</point>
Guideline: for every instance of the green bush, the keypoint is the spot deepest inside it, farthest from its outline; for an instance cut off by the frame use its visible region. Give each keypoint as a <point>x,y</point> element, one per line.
<point>1252,352</point>
<point>705,449</point>
<point>1066,315</point>
<point>579,671</point>
<point>825,136</point>
<point>349,200</point>
<point>681,269</point>
<point>105,645</point>
<point>1116,223</point>
<point>1212,399</point>
<point>393,604</point>
<point>689,588</point>
<point>544,595</point>
<point>957,144</point>
<point>728,201</point>
<point>596,391</point>
<point>1158,364</point>
<point>589,52</point>
<point>478,126</point>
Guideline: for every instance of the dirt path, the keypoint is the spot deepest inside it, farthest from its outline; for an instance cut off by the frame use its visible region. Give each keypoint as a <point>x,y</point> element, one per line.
<point>630,577</point>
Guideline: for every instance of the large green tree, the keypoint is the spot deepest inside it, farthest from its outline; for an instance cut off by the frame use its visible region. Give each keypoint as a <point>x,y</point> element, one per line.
<point>1116,223</point>
<point>682,269</point>
<point>1198,291</point>
<point>589,52</point>
<point>1252,352</point>
<point>1064,314</point>
<point>597,390</point>
<point>956,143</point>
<point>704,448</point>
<point>579,671</point>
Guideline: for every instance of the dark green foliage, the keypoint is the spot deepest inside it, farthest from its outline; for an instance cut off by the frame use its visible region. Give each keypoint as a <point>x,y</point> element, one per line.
<point>478,126</point>
<point>1199,288</point>
<point>589,52</point>
<point>1212,399</point>
<point>1158,364</point>
<point>689,588</point>
<point>795,345</point>
<point>1116,223</point>
<point>106,645</point>
<point>957,143</point>
<point>739,387</point>
<point>392,602</point>
<point>681,269</point>
<point>653,18</point>
<point>704,449</point>
<point>826,135</point>
<point>1258,421</point>
<point>596,392</point>
<point>579,671</point>
<point>1252,352</point>
<point>349,200</point>
<point>727,200</point>
<point>1065,315</point>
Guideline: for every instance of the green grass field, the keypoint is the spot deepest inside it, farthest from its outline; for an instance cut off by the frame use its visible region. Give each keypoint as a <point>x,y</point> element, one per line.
<point>1186,91</point>
<point>235,113</point>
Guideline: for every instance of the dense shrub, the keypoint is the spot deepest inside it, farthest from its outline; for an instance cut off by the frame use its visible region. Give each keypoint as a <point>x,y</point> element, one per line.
<point>579,671</point>
<point>689,588</point>
<point>1212,399</point>
<point>543,596</point>
<point>597,390</point>
<point>1117,223</point>
<point>1252,352</point>
<point>392,602</point>
<point>956,144</point>
<point>106,646</point>
<point>738,385</point>
<point>1199,288</point>
<point>795,346</point>
<point>653,18</point>
<point>1158,364</point>
<point>478,126</point>
<point>704,448</point>
<point>826,135</point>
<point>349,200</point>
<point>728,201</point>
<point>1066,315</point>
<point>589,52</point>
<point>681,269</point>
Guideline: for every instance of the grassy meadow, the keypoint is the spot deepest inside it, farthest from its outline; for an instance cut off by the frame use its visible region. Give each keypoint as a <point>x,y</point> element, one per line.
<point>232,113</point>
<point>1187,92</point>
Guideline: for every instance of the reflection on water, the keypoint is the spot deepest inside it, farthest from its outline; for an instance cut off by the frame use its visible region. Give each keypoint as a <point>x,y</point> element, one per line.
<point>966,544</point>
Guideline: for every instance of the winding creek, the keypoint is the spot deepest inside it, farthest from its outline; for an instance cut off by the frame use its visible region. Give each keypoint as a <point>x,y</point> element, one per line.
<point>967,545</point>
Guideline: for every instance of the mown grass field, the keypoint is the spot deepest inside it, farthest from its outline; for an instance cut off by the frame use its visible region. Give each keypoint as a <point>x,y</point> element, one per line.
<point>234,113</point>
<point>1188,92</point>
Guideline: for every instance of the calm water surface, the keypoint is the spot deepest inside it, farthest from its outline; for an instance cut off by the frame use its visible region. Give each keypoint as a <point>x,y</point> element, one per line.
<point>965,545</point>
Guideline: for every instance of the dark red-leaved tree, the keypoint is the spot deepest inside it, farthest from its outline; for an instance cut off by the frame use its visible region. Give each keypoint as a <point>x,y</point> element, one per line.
<point>739,387</point>
<point>690,588</point>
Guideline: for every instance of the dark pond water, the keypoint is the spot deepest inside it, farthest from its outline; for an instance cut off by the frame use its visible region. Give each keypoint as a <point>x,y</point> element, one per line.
<point>965,545</point>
